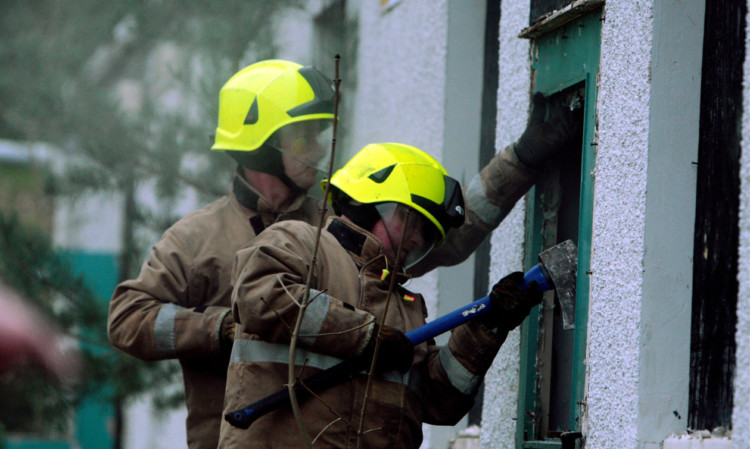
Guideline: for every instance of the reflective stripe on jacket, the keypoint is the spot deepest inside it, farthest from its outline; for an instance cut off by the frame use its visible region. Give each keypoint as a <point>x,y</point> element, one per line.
<point>270,277</point>
<point>174,308</point>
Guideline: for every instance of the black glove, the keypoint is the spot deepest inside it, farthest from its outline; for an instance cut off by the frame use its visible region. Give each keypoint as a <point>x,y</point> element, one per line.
<point>396,350</point>
<point>541,140</point>
<point>510,303</point>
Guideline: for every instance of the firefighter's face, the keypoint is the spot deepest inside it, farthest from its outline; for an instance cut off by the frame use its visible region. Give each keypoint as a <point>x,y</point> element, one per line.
<point>399,222</point>
<point>303,150</point>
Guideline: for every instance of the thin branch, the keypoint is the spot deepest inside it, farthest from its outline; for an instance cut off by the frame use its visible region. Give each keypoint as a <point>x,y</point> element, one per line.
<point>339,416</point>
<point>278,315</point>
<point>324,429</point>
<point>371,374</point>
<point>295,334</point>
<point>283,285</point>
<point>326,334</point>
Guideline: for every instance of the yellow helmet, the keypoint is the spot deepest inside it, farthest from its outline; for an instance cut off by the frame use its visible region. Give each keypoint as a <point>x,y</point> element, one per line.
<point>265,96</point>
<point>395,172</point>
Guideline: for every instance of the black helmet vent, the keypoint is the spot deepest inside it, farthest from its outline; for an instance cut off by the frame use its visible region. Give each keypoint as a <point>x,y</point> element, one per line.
<point>252,114</point>
<point>381,175</point>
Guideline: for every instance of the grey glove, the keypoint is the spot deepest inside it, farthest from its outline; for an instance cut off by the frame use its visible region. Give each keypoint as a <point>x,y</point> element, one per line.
<point>543,139</point>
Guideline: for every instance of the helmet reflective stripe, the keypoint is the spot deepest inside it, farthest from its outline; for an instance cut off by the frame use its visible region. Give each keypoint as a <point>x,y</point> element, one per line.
<point>395,172</point>
<point>265,96</point>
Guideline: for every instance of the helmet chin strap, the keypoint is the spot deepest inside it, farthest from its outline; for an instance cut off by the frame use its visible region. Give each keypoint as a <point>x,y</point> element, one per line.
<point>291,185</point>
<point>267,159</point>
<point>275,167</point>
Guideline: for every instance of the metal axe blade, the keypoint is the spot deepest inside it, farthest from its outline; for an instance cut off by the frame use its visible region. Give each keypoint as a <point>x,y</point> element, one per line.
<point>560,264</point>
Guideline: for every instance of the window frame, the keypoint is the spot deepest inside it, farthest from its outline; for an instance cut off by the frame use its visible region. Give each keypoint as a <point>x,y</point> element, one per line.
<point>564,57</point>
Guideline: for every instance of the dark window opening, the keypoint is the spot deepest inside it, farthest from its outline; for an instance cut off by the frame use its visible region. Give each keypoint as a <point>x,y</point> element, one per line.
<point>558,204</point>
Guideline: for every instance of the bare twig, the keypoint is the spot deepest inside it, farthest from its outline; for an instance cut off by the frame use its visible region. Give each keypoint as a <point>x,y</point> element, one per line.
<point>283,285</point>
<point>324,334</point>
<point>339,416</point>
<point>325,428</point>
<point>291,296</point>
<point>278,315</point>
<point>305,301</point>
<point>370,375</point>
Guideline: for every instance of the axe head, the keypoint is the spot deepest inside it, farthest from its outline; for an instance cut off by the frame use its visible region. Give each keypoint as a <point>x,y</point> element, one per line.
<point>560,265</point>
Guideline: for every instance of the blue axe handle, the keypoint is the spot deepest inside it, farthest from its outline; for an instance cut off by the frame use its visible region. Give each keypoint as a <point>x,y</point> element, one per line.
<point>245,416</point>
<point>470,311</point>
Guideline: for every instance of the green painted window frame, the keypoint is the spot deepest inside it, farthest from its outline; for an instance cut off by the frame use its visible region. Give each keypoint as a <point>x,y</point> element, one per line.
<point>562,58</point>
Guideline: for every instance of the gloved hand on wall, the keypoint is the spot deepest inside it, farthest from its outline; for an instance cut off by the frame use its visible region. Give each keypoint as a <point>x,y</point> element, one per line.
<point>510,303</point>
<point>543,139</point>
<point>396,350</point>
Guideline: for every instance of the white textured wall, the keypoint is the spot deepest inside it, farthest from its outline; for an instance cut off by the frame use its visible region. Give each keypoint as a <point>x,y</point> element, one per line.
<point>501,383</point>
<point>401,83</point>
<point>741,414</point>
<point>401,74</point>
<point>619,227</point>
<point>637,359</point>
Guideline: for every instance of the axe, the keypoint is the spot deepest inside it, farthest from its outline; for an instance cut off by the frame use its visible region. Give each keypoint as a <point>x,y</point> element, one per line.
<point>556,270</point>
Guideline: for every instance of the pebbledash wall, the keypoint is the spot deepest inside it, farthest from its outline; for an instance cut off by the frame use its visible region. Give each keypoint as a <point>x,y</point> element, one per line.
<point>506,254</point>
<point>616,350</point>
<point>639,306</point>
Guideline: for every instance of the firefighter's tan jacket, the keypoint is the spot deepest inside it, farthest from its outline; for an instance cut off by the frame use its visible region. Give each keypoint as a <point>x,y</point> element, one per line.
<point>347,293</point>
<point>174,308</point>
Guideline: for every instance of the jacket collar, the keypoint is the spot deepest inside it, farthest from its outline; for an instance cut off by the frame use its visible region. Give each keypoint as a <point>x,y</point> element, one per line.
<point>245,194</point>
<point>365,249</point>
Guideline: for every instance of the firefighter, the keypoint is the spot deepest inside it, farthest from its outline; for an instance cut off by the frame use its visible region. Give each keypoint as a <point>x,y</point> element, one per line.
<point>273,120</point>
<point>393,204</point>
<point>272,116</point>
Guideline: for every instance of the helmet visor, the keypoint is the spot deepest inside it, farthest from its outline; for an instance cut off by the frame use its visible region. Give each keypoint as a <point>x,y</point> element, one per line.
<point>307,142</point>
<point>410,229</point>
